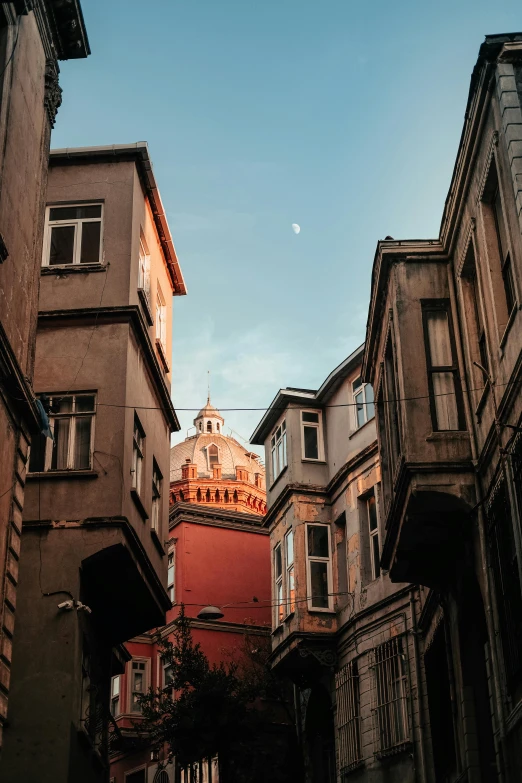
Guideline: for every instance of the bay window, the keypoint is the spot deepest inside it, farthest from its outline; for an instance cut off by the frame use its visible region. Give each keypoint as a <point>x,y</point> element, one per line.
<point>138,683</point>
<point>443,378</point>
<point>72,235</point>
<point>312,435</point>
<point>318,566</point>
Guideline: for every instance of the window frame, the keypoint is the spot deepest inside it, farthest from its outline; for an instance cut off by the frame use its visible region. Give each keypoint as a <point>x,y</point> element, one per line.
<point>319,429</point>
<point>316,558</point>
<point>210,464</point>
<point>138,454</point>
<point>289,571</point>
<point>349,718</point>
<point>442,305</point>
<point>146,681</point>
<point>171,586</point>
<point>505,254</point>
<point>144,268</point>
<point>375,568</point>
<point>78,224</point>
<point>279,585</point>
<point>275,442</point>
<point>160,323</point>
<point>361,389</point>
<point>156,502</point>
<point>383,684</point>
<point>116,697</point>
<point>48,444</point>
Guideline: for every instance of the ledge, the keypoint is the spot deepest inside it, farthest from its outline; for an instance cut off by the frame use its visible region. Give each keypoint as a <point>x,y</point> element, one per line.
<point>449,435</point>
<point>355,432</point>
<point>61,474</point>
<point>145,304</point>
<point>65,269</point>
<point>139,504</point>
<point>510,321</point>
<point>157,543</point>
<point>161,353</point>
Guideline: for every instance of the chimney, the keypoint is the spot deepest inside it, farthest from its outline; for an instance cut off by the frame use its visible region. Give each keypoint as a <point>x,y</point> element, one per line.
<point>188,470</point>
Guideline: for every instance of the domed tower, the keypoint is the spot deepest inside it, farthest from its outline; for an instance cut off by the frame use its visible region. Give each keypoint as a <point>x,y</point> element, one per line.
<point>212,468</point>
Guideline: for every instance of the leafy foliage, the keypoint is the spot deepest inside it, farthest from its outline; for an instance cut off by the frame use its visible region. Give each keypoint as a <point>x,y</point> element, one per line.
<point>235,709</point>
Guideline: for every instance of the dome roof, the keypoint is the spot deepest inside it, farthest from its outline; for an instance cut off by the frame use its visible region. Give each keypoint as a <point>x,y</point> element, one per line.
<point>231,454</point>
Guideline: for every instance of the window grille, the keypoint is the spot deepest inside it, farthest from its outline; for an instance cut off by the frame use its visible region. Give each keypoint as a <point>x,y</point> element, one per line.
<point>348,716</point>
<point>389,695</point>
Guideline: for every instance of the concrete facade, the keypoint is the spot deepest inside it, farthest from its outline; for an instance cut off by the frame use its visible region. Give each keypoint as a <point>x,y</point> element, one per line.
<point>443,353</point>
<point>31,44</point>
<point>348,644</point>
<point>93,570</point>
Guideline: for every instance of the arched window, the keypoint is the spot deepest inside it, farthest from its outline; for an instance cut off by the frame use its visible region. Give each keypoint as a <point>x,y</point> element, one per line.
<point>217,426</point>
<point>226,496</point>
<point>209,426</point>
<point>213,455</point>
<point>173,497</point>
<point>208,496</point>
<point>200,426</point>
<point>198,496</point>
<point>181,496</point>
<point>218,497</point>
<point>235,496</point>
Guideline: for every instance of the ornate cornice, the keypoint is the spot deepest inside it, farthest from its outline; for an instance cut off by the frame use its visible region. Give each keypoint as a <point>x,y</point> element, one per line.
<point>53,91</point>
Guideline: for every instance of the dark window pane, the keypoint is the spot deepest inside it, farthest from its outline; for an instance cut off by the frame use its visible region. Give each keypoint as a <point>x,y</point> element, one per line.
<point>278,567</point>
<point>82,445</point>
<point>357,383</point>
<point>310,417</point>
<point>61,444</point>
<point>90,243</point>
<point>318,541</point>
<point>62,245</point>
<point>372,512</point>
<point>62,404</point>
<point>75,213</point>
<point>311,445</point>
<point>37,458</point>
<point>507,276</point>
<point>85,403</point>
<point>319,584</point>
<point>376,558</point>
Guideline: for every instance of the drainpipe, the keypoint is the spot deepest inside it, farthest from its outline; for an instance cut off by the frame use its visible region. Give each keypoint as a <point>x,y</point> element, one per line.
<point>416,658</point>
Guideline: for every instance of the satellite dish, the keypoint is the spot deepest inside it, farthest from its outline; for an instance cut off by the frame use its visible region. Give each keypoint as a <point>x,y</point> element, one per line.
<point>296,228</point>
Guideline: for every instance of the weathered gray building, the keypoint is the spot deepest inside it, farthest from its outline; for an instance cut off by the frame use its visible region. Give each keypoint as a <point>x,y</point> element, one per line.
<point>34,36</point>
<point>93,570</point>
<point>342,632</point>
<point>443,353</point>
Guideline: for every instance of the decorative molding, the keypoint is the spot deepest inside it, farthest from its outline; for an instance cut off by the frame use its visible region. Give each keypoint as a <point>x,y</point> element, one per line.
<point>469,233</point>
<point>325,657</point>
<point>53,91</point>
<point>491,151</point>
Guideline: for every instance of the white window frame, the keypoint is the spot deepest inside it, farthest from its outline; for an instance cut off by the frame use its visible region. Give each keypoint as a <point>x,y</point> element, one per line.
<point>171,563</point>
<point>275,442</point>
<point>50,224</point>
<point>372,534</point>
<point>279,588</point>
<point>138,454</point>
<point>356,392</point>
<point>146,682</point>
<point>207,453</point>
<point>72,415</point>
<point>289,568</point>
<point>314,558</point>
<point>116,695</point>
<point>157,481</point>
<point>144,268</point>
<point>161,320</point>
<point>320,440</point>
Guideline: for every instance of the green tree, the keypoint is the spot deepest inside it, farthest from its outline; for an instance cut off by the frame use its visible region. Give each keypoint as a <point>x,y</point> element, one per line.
<point>235,709</point>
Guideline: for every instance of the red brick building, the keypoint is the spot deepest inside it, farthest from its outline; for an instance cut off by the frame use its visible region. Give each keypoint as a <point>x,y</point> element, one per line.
<point>218,554</point>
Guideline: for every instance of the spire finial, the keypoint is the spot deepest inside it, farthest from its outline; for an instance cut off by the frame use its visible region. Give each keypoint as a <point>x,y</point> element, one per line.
<point>208,387</point>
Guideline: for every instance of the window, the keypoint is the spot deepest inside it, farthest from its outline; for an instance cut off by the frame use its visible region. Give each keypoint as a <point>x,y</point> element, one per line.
<point>443,378</point>
<point>503,249</point>
<point>71,419</point>
<point>138,684</point>
<point>318,566</point>
<point>115,696</point>
<point>290,574</point>
<point>171,575</point>
<point>474,322</point>
<point>373,531</point>
<point>311,435</point>
<point>138,776</point>
<point>156,497</point>
<point>348,716</point>
<point>363,399</point>
<point>161,321</point>
<point>144,268</point>
<point>389,705</point>
<point>209,426</point>
<point>73,235</point>
<point>278,450</point>
<point>278,572</point>
<point>213,455</point>
<point>507,581</point>
<point>168,677</point>
<point>137,454</point>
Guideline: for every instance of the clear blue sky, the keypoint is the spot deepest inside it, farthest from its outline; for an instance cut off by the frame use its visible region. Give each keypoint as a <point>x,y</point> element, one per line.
<point>341,116</point>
